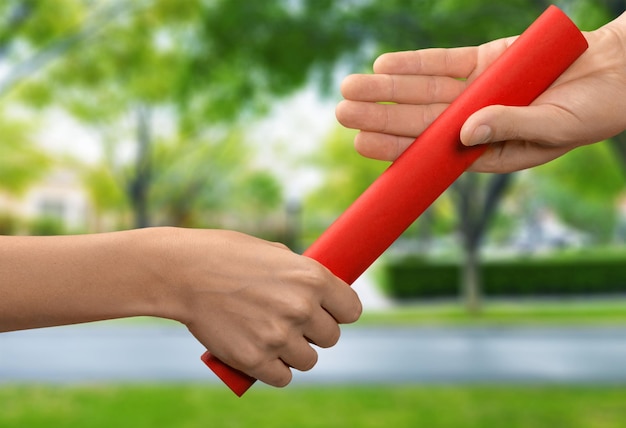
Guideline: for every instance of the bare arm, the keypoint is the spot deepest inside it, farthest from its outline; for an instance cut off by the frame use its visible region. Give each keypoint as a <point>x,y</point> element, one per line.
<point>585,105</point>
<point>252,303</point>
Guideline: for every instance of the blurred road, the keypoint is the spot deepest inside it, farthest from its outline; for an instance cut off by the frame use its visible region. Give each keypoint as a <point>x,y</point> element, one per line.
<point>163,352</point>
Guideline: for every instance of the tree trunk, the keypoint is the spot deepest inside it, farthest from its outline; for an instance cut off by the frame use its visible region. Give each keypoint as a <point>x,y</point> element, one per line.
<point>471,281</point>
<point>618,143</point>
<point>477,205</point>
<point>139,186</point>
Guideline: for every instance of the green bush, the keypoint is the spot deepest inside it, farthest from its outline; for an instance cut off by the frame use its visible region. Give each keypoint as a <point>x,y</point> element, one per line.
<point>556,275</point>
<point>47,226</point>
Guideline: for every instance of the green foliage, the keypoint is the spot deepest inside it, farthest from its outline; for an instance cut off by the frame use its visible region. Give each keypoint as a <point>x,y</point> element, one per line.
<point>346,176</point>
<point>46,226</point>
<point>589,15</point>
<point>400,25</point>
<point>216,60</point>
<point>50,20</point>
<point>21,162</point>
<point>259,192</point>
<point>589,179</point>
<point>208,64</point>
<point>244,52</point>
<point>198,181</point>
<point>106,194</point>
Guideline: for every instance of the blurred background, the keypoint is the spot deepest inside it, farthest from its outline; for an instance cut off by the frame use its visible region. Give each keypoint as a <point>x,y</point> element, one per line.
<point>220,114</point>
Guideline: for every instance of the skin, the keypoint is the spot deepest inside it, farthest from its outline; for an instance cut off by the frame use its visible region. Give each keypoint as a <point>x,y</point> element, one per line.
<point>254,304</point>
<point>585,105</point>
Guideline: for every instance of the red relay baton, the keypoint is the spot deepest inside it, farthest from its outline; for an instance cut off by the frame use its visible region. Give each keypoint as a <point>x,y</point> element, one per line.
<point>435,159</point>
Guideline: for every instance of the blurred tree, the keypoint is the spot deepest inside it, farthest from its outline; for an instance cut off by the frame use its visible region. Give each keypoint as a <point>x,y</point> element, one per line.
<point>589,179</point>
<point>206,64</point>
<point>185,169</point>
<point>346,176</point>
<point>245,53</point>
<point>107,198</point>
<point>34,33</point>
<point>21,162</point>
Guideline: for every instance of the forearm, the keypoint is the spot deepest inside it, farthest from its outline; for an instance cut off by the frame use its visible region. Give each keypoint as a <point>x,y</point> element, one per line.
<point>48,281</point>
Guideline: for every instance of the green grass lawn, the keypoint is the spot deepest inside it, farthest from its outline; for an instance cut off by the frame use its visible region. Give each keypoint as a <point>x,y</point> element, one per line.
<point>504,406</point>
<point>522,312</point>
<point>302,407</point>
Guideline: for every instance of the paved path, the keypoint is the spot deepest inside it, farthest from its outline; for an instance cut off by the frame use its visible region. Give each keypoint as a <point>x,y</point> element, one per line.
<point>112,352</point>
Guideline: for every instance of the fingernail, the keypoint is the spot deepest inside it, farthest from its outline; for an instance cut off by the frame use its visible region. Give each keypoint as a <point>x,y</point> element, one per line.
<point>481,135</point>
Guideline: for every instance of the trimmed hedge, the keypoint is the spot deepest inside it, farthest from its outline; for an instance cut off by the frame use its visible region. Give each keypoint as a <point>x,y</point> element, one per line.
<point>414,278</point>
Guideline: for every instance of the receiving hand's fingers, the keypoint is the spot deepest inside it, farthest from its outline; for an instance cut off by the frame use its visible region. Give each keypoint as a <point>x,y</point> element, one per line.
<point>463,63</point>
<point>545,124</point>
<point>455,62</point>
<point>510,156</point>
<point>381,146</point>
<point>407,89</point>
<point>398,119</point>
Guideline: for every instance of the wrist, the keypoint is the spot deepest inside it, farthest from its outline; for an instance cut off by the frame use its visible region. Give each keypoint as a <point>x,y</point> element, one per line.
<point>132,276</point>
<point>165,285</point>
<point>154,271</point>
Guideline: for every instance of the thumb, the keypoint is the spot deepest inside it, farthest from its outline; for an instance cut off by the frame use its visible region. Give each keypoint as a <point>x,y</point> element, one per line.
<point>543,124</point>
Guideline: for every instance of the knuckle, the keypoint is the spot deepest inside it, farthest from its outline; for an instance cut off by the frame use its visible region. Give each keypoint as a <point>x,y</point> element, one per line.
<point>280,245</point>
<point>396,149</point>
<point>300,310</point>
<point>432,88</point>
<point>495,159</point>
<point>385,118</point>
<point>249,361</point>
<point>275,336</point>
<point>429,114</point>
<point>391,85</point>
<point>504,157</point>
<point>314,275</point>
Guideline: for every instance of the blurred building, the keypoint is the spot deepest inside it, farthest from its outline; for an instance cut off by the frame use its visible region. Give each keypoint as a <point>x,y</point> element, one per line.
<point>60,197</point>
<point>544,232</point>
